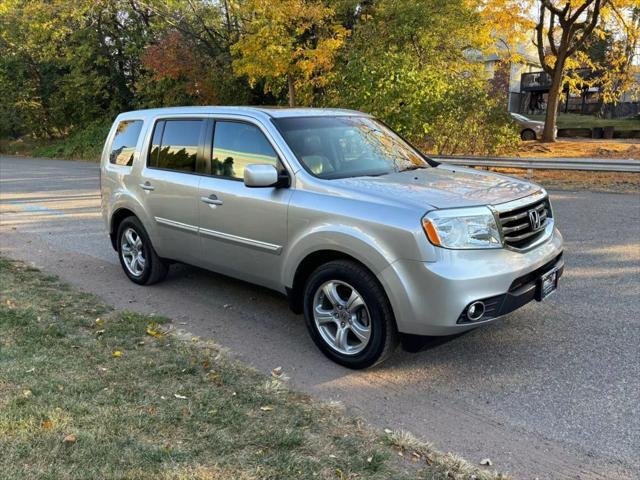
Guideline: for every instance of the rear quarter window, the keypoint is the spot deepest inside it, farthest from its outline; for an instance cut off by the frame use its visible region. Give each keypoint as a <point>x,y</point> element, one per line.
<point>124,143</point>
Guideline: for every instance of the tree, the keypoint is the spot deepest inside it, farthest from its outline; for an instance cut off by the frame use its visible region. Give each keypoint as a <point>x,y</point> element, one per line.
<point>618,64</point>
<point>409,64</point>
<point>567,28</point>
<point>292,42</point>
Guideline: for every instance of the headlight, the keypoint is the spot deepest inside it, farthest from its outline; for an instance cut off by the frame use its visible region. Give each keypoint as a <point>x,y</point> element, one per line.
<point>462,228</point>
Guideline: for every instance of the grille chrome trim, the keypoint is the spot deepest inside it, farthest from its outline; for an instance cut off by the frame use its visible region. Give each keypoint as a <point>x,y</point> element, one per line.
<point>516,227</point>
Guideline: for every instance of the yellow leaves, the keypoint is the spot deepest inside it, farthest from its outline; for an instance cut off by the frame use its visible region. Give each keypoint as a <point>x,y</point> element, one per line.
<point>266,408</point>
<point>155,330</point>
<point>117,354</point>
<point>297,38</point>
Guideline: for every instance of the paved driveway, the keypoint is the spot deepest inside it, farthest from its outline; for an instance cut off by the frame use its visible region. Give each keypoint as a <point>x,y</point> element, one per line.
<point>552,391</point>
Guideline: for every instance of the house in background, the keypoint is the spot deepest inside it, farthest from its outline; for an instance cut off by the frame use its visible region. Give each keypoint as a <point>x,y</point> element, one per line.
<point>505,74</point>
<point>524,86</point>
<point>534,88</point>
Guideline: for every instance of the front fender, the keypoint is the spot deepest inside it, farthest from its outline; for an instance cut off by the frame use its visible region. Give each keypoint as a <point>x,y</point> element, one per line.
<point>376,256</point>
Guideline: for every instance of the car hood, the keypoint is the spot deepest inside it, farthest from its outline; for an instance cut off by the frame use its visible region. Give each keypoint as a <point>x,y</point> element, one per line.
<point>444,186</point>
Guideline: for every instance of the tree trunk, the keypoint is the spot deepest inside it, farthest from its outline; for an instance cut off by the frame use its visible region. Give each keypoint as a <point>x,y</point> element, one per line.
<point>292,91</point>
<point>549,132</point>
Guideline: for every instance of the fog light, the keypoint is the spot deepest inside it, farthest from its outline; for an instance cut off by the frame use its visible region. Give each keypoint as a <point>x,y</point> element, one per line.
<point>475,311</point>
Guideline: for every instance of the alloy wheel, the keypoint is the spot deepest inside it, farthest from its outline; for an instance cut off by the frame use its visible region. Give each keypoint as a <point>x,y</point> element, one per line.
<point>132,252</point>
<point>342,317</point>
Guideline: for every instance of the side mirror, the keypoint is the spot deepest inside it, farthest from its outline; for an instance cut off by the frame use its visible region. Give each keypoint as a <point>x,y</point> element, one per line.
<point>257,176</point>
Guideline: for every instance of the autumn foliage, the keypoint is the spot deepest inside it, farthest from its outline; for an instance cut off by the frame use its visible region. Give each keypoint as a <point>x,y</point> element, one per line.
<point>415,63</point>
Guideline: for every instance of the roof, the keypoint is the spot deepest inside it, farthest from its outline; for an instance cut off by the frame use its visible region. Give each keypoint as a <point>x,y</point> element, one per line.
<point>274,112</point>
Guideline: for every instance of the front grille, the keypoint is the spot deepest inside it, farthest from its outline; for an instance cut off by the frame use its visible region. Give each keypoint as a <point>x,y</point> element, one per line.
<point>517,227</point>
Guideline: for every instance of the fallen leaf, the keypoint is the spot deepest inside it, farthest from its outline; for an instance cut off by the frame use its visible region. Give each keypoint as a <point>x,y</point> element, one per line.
<point>31,370</point>
<point>388,431</point>
<point>47,424</point>
<point>99,322</point>
<point>369,459</point>
<point>99,332</point>
<point>331,455</point>
<point>27,393</point>
<point>276,372</point>
<point>266,408</point>
<point>486,461</point>
<point>69,439</point>
<point>117,354</point>
<point>181,397</point>
<point>154,330</point>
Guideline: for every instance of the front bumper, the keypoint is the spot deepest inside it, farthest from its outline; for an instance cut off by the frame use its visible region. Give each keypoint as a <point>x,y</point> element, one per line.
<point>430,298</point>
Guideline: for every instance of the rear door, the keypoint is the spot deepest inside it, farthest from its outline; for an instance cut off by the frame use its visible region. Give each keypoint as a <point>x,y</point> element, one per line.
<point>242,230</point>
<point>170,180</point>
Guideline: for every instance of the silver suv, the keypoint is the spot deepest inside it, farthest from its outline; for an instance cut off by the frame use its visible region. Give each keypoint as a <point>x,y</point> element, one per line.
<point>365,235</point>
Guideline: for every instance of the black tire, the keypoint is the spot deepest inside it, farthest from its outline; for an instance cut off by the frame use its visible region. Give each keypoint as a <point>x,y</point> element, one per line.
<point>527,135</point>
<point>155,269</point>
<point>383,337</point>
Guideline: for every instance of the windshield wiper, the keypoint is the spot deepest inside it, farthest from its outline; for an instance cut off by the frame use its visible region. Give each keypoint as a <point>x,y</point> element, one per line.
<point>412,167</point>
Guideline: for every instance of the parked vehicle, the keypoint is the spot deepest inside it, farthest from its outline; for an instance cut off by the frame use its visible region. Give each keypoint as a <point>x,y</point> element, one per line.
<point>366,236</point>
<point>529,129</point>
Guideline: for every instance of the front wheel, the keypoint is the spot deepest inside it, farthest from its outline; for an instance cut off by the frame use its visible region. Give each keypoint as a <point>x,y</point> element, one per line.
<point>348,315</point>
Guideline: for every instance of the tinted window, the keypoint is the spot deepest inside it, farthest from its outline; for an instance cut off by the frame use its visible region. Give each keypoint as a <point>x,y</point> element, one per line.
<point>236,145</point>
<point>124,143</point>
<point>175,145</point>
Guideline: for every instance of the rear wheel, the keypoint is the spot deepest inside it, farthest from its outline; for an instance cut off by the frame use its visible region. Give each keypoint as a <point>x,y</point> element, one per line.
<point>137,256</point>
<point>528,134</point>
<point>348,315</point>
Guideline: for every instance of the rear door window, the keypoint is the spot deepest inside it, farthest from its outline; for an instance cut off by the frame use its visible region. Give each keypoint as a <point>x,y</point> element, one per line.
<point>175,145</point>
<point>236,145</point>
<point>124,143</point>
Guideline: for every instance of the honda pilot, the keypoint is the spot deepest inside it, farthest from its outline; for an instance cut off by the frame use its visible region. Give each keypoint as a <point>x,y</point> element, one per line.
<point>366,236</point>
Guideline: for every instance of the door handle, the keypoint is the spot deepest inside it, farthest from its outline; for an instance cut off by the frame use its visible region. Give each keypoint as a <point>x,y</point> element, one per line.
<point>146,186</point>
<point>212,200</point>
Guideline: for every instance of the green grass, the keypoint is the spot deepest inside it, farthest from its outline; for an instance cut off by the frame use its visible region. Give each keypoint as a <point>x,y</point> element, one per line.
<point>168,406</point>
<point>572,120</point>
<point>85,144</point>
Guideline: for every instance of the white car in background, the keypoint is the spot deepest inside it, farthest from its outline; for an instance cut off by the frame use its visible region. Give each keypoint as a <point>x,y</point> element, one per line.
<point>529,129</point>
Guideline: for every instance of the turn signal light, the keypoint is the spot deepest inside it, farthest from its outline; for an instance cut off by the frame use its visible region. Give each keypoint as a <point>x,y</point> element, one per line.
<point>432,233</point>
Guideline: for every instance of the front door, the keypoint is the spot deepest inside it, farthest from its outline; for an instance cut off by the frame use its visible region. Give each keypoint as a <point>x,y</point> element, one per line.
<point>242,230</point>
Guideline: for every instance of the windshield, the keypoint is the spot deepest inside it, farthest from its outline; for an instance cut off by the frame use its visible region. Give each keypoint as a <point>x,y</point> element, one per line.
<point>340,147</point>
<point>522,118</point>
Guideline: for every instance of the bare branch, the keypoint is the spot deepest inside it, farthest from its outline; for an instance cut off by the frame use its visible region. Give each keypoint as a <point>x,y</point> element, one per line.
<point>588,30</point>
<point>540,41</point>
<point>552,43</point>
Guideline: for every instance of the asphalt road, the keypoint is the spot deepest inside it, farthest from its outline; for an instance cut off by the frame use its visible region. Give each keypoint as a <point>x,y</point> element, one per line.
<point>552,391</point>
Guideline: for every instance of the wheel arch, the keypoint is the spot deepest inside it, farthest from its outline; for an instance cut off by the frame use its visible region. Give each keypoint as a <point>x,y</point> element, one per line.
<point>116,218</point>
<point>309,264</point>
